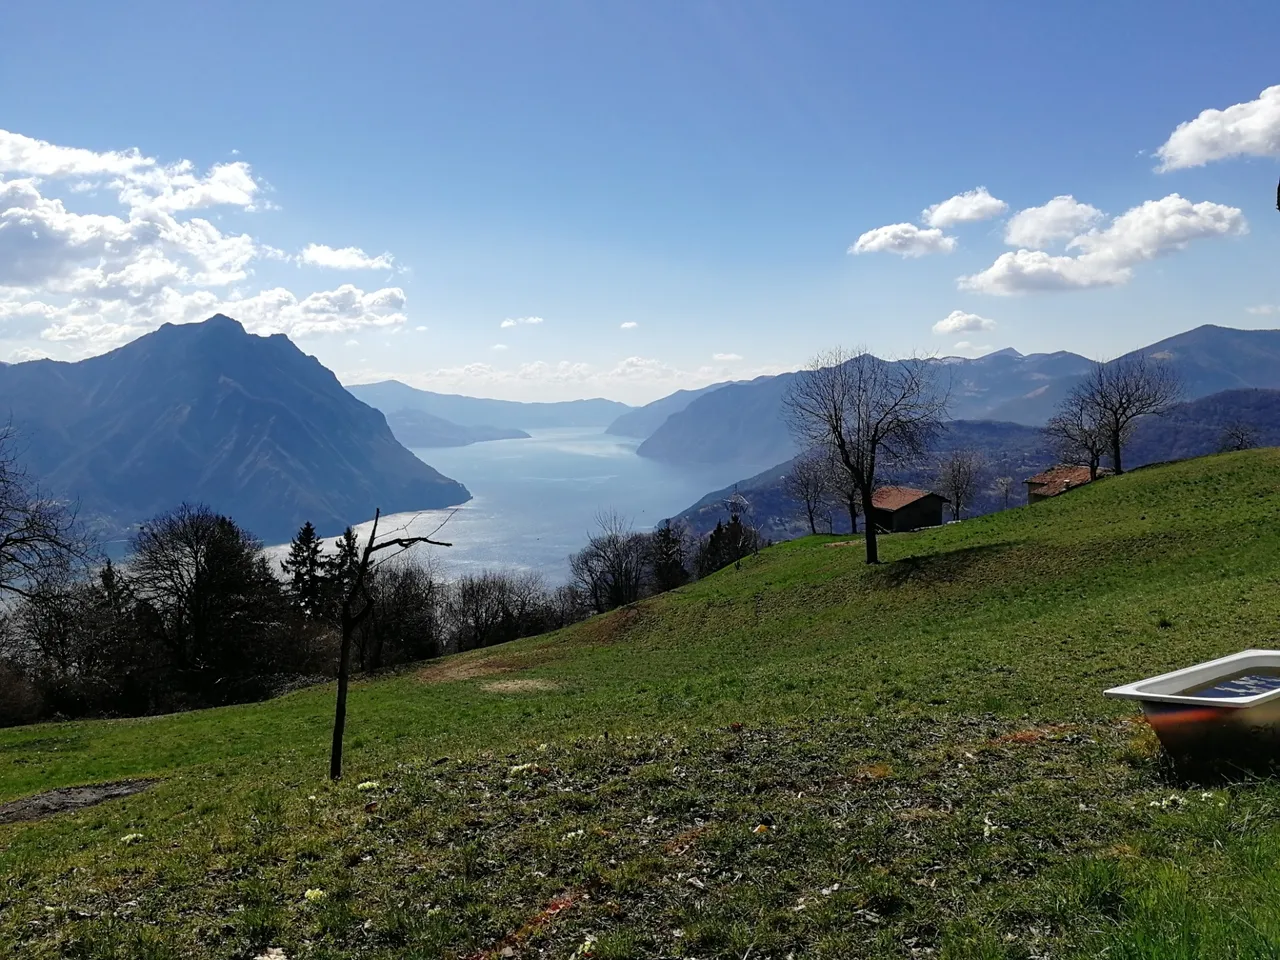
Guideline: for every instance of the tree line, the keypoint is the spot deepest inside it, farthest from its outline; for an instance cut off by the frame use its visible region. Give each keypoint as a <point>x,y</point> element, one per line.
<point>195,614</point>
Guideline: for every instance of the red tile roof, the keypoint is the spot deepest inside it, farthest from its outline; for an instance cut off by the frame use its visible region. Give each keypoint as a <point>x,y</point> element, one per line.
<point>895,498</point>
<point>1058,480</point>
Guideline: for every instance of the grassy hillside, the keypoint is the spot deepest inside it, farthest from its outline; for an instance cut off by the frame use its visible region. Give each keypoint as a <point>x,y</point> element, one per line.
<point>803,756</point>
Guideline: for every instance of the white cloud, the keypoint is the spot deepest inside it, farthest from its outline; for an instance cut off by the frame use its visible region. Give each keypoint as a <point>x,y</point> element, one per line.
<point>1251,128</point>
<point>421,329</point>
<point>629,325</point>
<point>344,258</point>
<point>976,204</point>
<point>1107,258</point>
<point>98,279</point>
<point>351,343</point>
<point>726,356</point>
<point>25,354</point>
<point>142,183</point>
<point>498,346</point>
<point>1061,218</point>
<point>957,321</point>
<point>1263,309</point>
<point>107,324</point>
<point>520,322</point>
<point>904,239</point>
<point>966,349</point>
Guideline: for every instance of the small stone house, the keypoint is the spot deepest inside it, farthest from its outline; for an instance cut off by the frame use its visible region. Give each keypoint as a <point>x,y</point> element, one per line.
<point>905,508</point>
<point>1057,480</point>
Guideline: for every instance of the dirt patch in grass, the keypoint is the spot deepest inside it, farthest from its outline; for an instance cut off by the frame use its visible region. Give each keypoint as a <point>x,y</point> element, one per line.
<point>521,685</point>
<point>1034,734</point>
<point>69,798</point>
<point>845,543</point>
<point>450,669</point>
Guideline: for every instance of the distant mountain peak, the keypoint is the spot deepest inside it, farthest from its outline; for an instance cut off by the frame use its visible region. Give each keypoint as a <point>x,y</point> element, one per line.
<point>1006,352</point>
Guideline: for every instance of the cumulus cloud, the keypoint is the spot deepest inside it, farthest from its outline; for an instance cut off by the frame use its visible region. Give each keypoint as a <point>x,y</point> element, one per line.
<point>140,182</point>
<point>1263,309</point>
<point>904,239</point>
<point>726,356</point>
<point>1061,218</point>
<point>976,204</point>
<point>957,321</point>
<point>498,346</point>
<point>99,278</point>
<point>1107,257</point>
<point>520,322</point>
<point>1244,129</point>
<point>25,354</point>
<point>344,258</point>
<point>105,324</point>
<point>628,325</point>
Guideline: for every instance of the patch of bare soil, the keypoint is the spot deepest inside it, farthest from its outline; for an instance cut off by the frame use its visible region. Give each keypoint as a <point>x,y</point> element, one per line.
<point>467,667</point>
<point>614,626</point>
<point>451,668</point>
<point>525,685</point>
<point>845,543</point>
<point>69,798</point>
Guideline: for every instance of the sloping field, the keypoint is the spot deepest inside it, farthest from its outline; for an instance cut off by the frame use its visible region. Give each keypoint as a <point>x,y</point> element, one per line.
<point>801,757</point>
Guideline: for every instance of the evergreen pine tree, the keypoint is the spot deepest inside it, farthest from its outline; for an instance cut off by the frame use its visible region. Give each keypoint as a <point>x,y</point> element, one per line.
<point>668,558</point>
<point>305,568</point>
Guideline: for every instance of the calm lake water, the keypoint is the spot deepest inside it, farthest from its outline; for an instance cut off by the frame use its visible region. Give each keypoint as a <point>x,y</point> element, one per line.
<point>535,501</point>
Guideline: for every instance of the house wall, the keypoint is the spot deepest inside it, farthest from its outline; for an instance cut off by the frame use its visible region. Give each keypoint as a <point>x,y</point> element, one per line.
<point>925,512</point>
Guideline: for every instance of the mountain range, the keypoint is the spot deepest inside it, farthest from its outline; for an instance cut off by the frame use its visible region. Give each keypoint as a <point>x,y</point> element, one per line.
<point>207,412</point>
<point>392,396</point>
<point>642,421</point>
<point>743,422</point>
<point>1013,450</point>
<point>418,429</point>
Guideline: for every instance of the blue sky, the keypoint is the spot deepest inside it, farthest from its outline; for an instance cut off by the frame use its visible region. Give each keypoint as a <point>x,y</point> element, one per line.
<point>389,182</point>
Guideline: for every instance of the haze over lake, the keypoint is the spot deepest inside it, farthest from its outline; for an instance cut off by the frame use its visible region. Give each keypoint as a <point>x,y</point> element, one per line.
<point>536,500</point>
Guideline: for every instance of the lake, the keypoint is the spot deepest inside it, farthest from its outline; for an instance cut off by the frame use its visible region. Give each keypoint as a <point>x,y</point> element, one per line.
<point>535,501</point>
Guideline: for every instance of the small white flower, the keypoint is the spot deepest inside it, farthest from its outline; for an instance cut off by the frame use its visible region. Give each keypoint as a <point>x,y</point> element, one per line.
<point>132,838</point>
<point>315,895</point>
<point>521,768</point>
<point>368,785</point>
<point>574,834</point>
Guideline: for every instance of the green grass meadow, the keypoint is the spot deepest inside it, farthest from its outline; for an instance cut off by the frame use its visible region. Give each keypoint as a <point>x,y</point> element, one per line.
<point>800,757</point>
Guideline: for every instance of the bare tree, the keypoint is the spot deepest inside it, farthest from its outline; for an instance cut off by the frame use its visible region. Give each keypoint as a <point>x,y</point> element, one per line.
<point>807,482</point>
<point>612,567</point>
<point>357,604</point>
<point>1075,433</point>
<point>959,478</point>
<point>1116,394</point>
<point>40,539</point>
<point>1003,488</point>
<point>1238,435</point>
<point>869,412</point>
<point>844,489</point>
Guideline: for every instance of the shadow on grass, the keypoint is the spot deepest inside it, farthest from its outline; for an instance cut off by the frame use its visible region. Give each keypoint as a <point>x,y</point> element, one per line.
<point>938,567</point>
